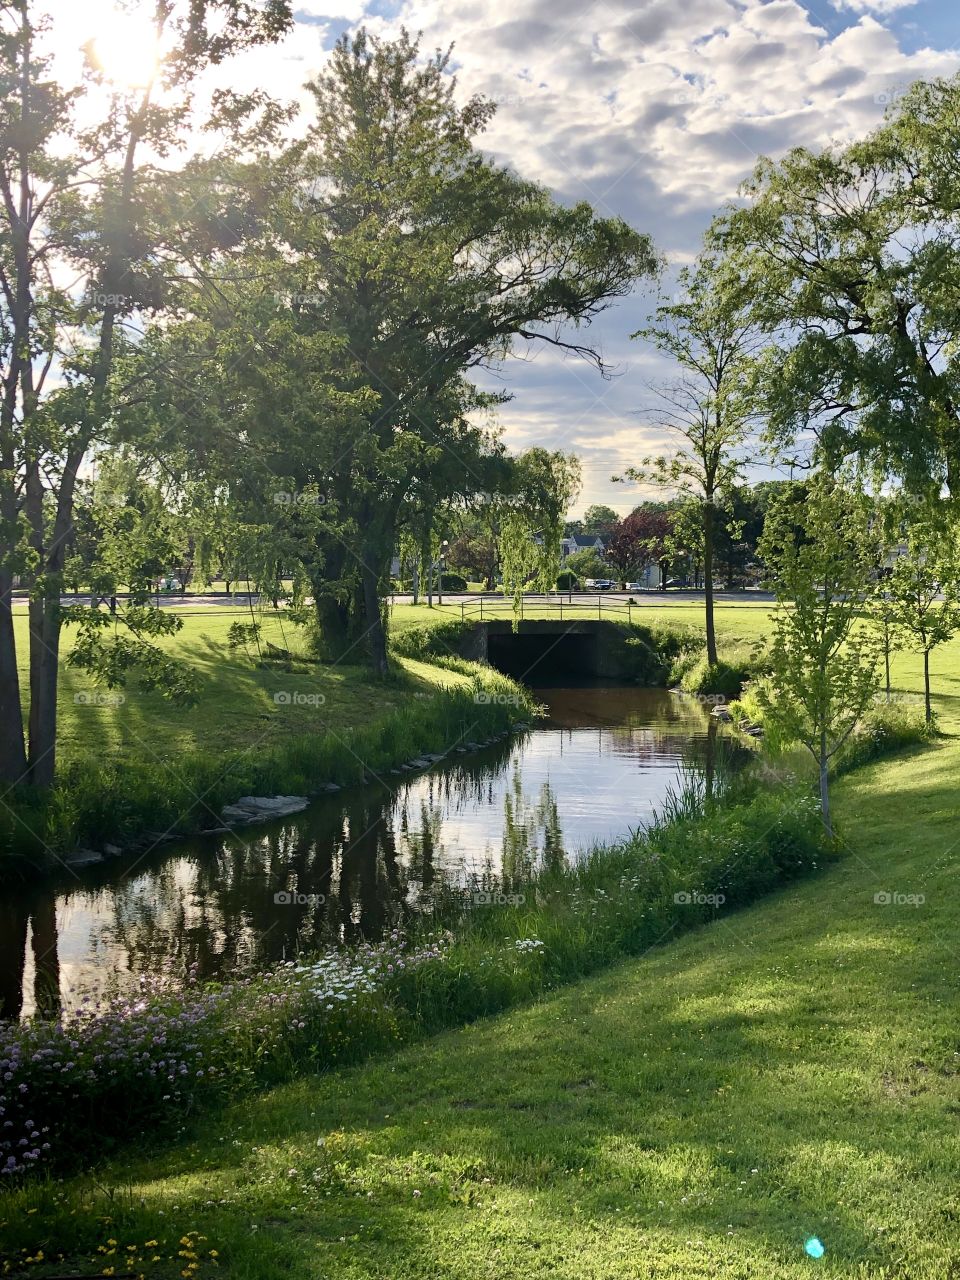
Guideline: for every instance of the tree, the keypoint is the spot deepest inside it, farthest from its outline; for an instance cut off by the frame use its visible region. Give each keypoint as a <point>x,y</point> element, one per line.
<point>600,520</point>
<point>709,410</point>
<point>78,203</point>
<point>923,589</point>
<point>821,558</point>
<point>532,524</point>
<point>637,541</point>
<point>586,564</point>
<point>853,257</point>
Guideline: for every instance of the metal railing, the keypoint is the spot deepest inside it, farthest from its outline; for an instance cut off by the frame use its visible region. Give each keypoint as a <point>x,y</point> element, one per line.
<point>499,607</point>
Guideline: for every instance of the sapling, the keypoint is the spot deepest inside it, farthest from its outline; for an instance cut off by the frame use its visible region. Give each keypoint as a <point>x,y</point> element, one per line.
<point>821,557</point>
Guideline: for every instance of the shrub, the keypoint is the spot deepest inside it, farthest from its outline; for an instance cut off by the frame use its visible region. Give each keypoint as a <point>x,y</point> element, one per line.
<point>452,582</point>
<point>888,727</point>
<point>724,677</point>
<point>567,581</point>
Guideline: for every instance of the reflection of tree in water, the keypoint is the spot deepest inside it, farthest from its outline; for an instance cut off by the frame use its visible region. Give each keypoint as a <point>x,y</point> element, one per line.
<point>532,838</point>
<point>35,915</point>
<point>378,856</point>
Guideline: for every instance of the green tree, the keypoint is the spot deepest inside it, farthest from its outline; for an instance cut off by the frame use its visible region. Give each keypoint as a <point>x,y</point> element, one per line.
<point>821,557</point>
<point>531,528</point>
<point>923,589</point>
<point>853,261</point>
<point>426,260</point>
<point>709,410</point>
<point>600,520</point>
<point>78,202</point>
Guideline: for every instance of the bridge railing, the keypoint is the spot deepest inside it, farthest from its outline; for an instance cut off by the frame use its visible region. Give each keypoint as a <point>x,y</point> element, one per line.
<point>546,608</point>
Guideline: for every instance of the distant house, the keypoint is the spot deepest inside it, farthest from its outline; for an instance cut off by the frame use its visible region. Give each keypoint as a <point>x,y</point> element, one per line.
<point>582,542</point>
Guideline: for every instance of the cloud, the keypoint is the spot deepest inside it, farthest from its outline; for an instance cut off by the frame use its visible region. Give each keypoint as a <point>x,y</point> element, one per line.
<point>873,6</point>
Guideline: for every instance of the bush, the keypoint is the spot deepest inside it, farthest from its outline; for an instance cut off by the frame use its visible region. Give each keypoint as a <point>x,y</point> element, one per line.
<point>567,581</point>
<point>452,582</point>
<point>721,677</point>
<point>887,728</point>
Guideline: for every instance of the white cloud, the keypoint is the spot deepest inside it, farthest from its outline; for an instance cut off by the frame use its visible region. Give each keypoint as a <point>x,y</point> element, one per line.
<point>873,6</point>
<point>650,109</point>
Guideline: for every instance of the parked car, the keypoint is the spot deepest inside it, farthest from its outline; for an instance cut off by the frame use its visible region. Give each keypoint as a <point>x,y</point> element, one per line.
<point>604,584</point>
<point>635,586</point>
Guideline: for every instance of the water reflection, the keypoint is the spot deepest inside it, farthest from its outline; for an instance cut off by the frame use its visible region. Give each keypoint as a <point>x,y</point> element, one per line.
<point>355,865</point>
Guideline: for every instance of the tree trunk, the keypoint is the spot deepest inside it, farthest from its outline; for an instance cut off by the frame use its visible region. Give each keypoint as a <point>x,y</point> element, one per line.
<point>416,582</point>
<point>13,755</point>
<point>886,659</point>
<point>708,580</point>
<point>46,625</point>
<point>927,709</point>
<point>425,559</point>
<point>373,621</point>
<point>44,678</point>
<point>825,790</point>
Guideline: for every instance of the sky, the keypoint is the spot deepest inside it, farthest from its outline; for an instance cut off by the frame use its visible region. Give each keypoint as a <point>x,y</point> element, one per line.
<point>652,110</point>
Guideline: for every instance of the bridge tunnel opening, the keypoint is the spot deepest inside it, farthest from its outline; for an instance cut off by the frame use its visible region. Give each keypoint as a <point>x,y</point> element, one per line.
<point>543,658</point>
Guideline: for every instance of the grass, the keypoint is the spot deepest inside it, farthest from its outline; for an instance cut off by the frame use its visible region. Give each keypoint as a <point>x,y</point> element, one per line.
<point>789,1071</point>
<point>137,764</point>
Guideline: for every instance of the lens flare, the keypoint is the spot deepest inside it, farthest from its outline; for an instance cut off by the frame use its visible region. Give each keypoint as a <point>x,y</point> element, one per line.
<point>126,50</point>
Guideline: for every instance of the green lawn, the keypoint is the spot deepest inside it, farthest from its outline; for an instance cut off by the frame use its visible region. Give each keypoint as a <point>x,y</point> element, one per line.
<point>790,1071</point>
<point>236,705</point>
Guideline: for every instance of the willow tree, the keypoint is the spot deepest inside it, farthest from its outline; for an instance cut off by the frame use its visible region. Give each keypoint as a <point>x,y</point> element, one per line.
<point>853,257</point>
<point>708,410</point>
<point>532,520</point>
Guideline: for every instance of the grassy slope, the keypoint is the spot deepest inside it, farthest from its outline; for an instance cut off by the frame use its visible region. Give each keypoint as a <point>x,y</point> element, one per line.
<point>698,1112</point>
<point>236,705</point>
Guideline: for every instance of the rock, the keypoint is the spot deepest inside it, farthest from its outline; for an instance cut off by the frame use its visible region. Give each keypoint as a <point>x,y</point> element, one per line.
<point>113,850</point>
<point>328,788</point>
<point>432,757</point>
<point>721,713</point>
<point>272,804</point>
<point>419,763</point>
<point>230,813</point>
<point>82,858</point>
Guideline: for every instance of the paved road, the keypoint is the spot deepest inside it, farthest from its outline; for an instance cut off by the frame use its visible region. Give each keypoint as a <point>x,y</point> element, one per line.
<point>585,599</point>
